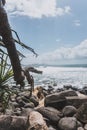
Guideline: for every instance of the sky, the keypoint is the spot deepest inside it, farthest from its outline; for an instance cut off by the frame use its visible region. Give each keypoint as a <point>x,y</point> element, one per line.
<point>55,29</point>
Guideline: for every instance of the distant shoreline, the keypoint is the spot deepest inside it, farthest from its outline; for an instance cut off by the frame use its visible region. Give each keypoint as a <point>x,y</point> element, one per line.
<point>62,65</point>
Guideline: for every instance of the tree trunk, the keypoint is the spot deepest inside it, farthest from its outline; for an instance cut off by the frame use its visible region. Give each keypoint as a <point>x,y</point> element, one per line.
<point>5,32</point>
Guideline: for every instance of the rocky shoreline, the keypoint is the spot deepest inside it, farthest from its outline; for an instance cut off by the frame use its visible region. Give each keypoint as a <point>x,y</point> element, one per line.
<point>63,109</point>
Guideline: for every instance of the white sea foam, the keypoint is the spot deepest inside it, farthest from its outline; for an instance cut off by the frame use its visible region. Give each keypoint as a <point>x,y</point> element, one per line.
<point>75,76</point>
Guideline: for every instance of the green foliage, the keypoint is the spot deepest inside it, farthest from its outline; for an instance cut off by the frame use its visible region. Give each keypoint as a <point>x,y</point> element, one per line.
<point>5,96</point>
<point>6,71</point>
<point>6,74</point>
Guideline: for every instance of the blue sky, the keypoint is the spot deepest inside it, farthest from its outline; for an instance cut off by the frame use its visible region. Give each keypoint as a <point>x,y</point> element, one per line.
<point>55,29</point>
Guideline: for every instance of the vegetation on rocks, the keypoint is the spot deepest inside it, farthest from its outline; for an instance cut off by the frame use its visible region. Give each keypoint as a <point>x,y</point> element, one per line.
<point>6,71</point>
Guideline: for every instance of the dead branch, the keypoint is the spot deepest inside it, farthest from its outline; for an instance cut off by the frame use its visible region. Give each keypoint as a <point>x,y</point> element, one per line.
<point>32,69</point>
<point>30,78</point>
<point>22,44</point>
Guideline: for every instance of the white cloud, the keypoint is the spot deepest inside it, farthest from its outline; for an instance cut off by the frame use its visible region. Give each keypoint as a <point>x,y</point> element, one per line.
<point>77,23</point>
<point>36,8</point>
<point>78,52</point>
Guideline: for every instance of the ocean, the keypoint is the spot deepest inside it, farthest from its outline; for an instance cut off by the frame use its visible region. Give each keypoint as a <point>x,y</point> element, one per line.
<point>58,76</point>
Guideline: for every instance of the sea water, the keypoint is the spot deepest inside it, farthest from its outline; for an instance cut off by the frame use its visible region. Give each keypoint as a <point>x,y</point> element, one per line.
<point>62,75</point>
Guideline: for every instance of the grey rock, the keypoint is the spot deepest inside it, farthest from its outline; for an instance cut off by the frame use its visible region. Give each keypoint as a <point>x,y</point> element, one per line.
<point>1,110</point>
<point>51,113</point>
<point>67,86</point>
<point>80,128</point>
<point>19,123</point>
<point>29,105</point>
<point>81,114</point>
<point>79,124</point>
<point>85,127</point>
<point>25,99</point>
<point>17,113</point>
<point>58,100</point>
<point>34,100</point>
<point>76,101</point>
<point>68,93</point>
<point>21,103</point>
<point>8,112</point>
<point>51,128</point>
<point>55,100</point>
<point>15,104</point>
<point>5,122</point>
<point>36,121</point>
<point>68,123</point>
<point>26,111</point>
<point>69,111</point>
<point>18,98</point>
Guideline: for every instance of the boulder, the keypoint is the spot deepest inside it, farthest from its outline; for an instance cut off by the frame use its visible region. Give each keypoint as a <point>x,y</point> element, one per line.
<point>13,123</point>
<point>80,128</point>
<point>50,113</point>
<point>58,100</point>
<point>26,111</point>
<point>15,104</point>
<point>17,113</point>
<point>34,100</point>
<point>69,86</point>
<point>25,94</point>
<point>84,90</point>
<point>36,121</point>
<point>85,127</point>
<point>5,122</point>
<point>20,101</point>
<point>79,124</point>
<point>19,123</point>
<point>51,128</point>
<point>76,101</point>
<point>25,99</point>
<point>81,114</point>
<point>69,111</point>
<point>8,112</point>
<point>29,105</point>
<point>68,93</point>
<point>81,94</point>
<point>68,123</point>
